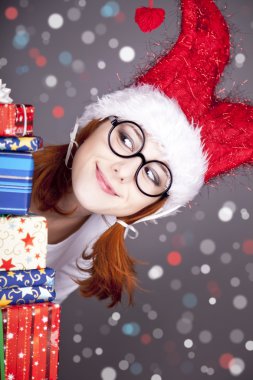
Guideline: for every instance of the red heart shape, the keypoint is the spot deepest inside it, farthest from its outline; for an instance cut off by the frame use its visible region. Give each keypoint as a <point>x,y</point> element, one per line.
<point>149,19</point>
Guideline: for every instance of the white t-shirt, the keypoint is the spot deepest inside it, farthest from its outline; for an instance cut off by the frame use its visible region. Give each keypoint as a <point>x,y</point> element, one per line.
<point>62,256</point>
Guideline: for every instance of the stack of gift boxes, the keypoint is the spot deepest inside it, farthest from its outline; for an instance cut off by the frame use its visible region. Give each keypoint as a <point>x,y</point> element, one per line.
<point>29,320</point>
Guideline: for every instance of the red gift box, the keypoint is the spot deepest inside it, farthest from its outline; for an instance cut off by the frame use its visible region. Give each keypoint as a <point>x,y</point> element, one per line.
<point>31,341</point>
<point>16,119</point>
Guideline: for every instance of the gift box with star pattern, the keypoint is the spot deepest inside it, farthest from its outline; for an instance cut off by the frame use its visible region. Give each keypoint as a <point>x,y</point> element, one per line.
<point>27,286</point>
<point>20,144</point>
<point>29,341</point>
<point>23,242</point>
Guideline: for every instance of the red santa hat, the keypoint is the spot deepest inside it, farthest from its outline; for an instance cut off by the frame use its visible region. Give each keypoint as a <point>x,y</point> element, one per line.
<point>201,136</point>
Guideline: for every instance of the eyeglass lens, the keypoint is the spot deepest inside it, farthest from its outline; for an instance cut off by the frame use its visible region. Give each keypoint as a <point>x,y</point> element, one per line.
<point>126,140</point>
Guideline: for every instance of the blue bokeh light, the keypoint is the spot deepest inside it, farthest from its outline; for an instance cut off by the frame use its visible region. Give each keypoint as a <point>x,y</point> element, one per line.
<point>22,69</point>
<point>65,58</point>
<point>110,9</point>
<point>131,329</point>
<point>21,39</point>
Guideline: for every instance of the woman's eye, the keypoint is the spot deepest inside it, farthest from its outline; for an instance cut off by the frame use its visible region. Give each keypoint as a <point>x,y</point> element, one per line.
<point>126,140</point>
<point>152,175</point>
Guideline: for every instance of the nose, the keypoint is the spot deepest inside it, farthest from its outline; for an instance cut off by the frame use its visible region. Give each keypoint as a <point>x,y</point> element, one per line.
<point>125,169</point>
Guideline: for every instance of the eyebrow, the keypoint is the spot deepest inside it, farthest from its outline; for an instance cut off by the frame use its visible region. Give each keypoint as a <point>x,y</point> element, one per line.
<point>164,169</point>
<point>137,132</point>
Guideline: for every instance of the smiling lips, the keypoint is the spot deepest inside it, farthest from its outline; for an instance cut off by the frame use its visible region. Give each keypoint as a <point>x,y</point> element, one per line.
<point>103,183</point>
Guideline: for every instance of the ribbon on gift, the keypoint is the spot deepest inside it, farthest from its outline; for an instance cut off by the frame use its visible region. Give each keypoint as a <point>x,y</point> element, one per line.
<point>23,278</point>
<point>2,368</point>
<point>5,99</point>
<point>25,119</point>
<point>4,93</point>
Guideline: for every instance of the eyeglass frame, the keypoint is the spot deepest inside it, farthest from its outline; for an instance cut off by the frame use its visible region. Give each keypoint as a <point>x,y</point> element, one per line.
<point>115,122</point>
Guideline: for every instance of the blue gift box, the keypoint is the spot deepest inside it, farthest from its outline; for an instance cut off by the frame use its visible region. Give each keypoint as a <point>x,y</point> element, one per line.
<point>22,278</point>
<point>20,144</point>
<point>27,286</point>
<point>16,175</point>
<point>27,294</point>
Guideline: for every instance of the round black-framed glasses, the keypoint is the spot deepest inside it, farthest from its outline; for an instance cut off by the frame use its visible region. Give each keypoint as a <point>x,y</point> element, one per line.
<point>126,139</point>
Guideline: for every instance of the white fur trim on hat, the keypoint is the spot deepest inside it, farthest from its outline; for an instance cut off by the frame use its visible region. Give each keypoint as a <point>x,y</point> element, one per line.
<point>163,118</point>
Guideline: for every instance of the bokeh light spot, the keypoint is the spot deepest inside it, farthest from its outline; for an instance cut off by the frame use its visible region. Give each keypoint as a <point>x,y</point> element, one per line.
<point>155,272</point>
<point>127,54</point>
<point>21,39</point>
<point>145,338</point>
<point>174,258</point>
<point>240,302</point>
<point>34,53</point>
<point>87,352</point>
<point>108,373</point>
<point>41,61</point>
<point>176,284</point>
<point>88,37</point>
<point>110,9</point>
<point>98,351</point>
<point>225,214</point>
<point>236,366</point>
<point>58,112</point>
<point>207,246</point>
<point>249,345</point>
<point>205,336</point>
<point>247,247</point>
<point>113,43</point>
<point>214,288</point>
<point>65,58</point>
<point>11,13</point>
<point>123,365</point>
<point>74,14</point>
<point>55,21</point>
<point>224,360</point>
<point>236,336</point>
<point>51,81</point>
<point>131,329</point>
<point>190,300</point>
<point>136,368</point>
<point>78,66</point>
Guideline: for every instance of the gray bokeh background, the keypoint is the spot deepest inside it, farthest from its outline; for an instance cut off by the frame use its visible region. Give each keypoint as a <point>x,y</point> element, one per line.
<point>151,340</point>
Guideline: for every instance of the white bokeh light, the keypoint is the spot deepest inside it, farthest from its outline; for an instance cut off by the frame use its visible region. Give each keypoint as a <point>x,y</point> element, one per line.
<point>101,65</point>
<point>88,37</point>
<point>212,301</point>
<point>249,345</point>
<point>55,21</point>
<point>127,54</point>
<point>225,214</point>
<point>205,268</point>
<point>51,81</point>
<point>113,43</point>
<point>108,373</point>
<point>188,343</point>
<point>236,366</point>
<point>155,272</point>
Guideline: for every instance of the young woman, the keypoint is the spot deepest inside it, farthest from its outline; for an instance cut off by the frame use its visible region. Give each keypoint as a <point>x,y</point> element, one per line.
<point>139,154</point>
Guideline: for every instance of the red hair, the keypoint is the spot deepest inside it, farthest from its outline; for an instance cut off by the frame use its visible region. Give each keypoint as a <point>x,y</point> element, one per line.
<point>113,269</point>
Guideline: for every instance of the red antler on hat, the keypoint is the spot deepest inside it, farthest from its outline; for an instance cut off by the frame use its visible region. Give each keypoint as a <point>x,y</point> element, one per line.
<point>190,72</point>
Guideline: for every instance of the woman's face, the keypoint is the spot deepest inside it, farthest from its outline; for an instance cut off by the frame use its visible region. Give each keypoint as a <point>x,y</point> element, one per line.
<point>103,182</point>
